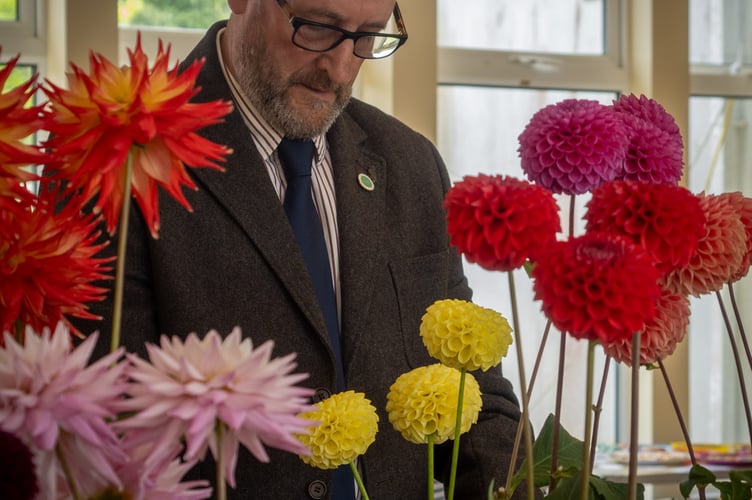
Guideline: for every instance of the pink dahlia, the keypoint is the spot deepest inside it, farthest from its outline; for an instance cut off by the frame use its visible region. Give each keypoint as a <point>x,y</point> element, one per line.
<point>661,334</point>
<point>667,221</point>
<point>573,146</point>
<point>655,151</point>
<point>52,400</point>
<point>192,386</point>
<point>720,251</point>
<point>150,474</point>
<point>597,286</point>
<point>500,222</point>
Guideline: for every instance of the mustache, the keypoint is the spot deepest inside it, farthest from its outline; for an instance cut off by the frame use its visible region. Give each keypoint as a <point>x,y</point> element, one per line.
<point>316,79</point>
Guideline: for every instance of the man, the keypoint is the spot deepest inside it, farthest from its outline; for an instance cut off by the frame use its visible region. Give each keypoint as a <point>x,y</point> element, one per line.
<point>289,67</point>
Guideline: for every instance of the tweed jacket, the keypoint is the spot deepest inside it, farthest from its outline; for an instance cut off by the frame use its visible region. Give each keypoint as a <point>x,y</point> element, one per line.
<point>233,261</point>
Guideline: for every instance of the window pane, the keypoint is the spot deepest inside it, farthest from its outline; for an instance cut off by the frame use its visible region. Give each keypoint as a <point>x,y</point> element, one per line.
<point>720,32</point>
<point>478,130</point>
<point>172,13</point>
<point>8,10</point>
<point>720,160</point>
<point>553,26</point>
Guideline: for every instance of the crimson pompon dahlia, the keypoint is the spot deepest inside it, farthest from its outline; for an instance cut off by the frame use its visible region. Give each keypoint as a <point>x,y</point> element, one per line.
<point>661,334</point>
<point>112,113</point>
<point>573,146</point>
<point>48,265</point>
<point>190,387</point>
<point>499,222</point>
<point>18,479</point>
<point>655,151</point>
<point>665,220</point>
<point>720,251</point>
<point>59,405</point>
<point>597,286</point>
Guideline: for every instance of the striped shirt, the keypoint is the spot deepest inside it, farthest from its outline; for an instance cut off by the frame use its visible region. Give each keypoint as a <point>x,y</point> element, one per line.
<point>266,139</point>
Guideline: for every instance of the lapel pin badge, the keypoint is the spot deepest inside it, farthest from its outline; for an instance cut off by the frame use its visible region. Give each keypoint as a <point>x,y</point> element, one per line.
<point>365,182</point>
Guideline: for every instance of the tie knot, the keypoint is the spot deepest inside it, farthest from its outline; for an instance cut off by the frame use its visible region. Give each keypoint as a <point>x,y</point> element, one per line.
<point>296,156</point>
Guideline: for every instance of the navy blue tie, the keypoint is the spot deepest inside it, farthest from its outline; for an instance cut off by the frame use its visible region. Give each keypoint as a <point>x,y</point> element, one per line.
<point>296,157</point>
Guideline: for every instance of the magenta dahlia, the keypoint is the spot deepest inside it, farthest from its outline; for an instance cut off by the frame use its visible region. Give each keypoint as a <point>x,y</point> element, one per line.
<point>573,146</point>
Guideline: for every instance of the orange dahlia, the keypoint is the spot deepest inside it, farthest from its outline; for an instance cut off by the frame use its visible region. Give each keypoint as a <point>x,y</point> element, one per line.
<point>720,251</point>
<point>500,222</point>
<point>47,266</point>
<point>115,112</point>
<point>18,122</point>
<point>597,286</point>
<point>745,216</point>
<point>666,220</point>
<point>661,334</point>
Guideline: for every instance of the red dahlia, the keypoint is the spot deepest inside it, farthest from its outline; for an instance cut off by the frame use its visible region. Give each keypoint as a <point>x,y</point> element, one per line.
<point>500,222</point>
<point>597,286</point>
<point>665,220</point>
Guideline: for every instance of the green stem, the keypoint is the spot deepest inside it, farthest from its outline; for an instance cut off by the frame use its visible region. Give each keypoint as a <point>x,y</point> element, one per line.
<point>221,483</point>
<point>117,308</point>
<point>585,484</point>
<point>597,410</point>
<point>526,431</point>
<point>430,467</point>
<point>634,417</point>
<point>359,481</point>
<point>457,432</point>
<point>739,322</point>
<point>67,472</point>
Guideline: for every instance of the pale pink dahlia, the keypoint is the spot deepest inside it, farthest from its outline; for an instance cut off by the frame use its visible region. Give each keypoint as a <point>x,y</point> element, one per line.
<point>192,386</point>
<point>147,475</point>
<point>655,151</point>
<point>667,221</point>
<point>573,146</point>
<point>500,222</point>
<point>51,399</point>
<point>661,334</point>
<point>719,252</point>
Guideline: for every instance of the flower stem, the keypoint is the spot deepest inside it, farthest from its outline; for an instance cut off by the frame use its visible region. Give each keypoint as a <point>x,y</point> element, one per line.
<point>597,409</point>
<point>523,417</point>
<point>117,308</point>
<point>634,417</point>
<point>67,472</point>
<point>682,424</point>
<point>526,431</point>
<point>739,323</point>
<point>359,481</point>
<point>430,467</point>
<point>221,484</point>
<point>738,363</point>
<point>557,412</point>
<point>585,483</point>
<point>457,432</point>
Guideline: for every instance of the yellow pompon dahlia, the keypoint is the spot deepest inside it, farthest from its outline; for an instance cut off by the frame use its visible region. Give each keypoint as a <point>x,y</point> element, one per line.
<point>348,426</point>
<point>461,334</point>
<point>423,402</point>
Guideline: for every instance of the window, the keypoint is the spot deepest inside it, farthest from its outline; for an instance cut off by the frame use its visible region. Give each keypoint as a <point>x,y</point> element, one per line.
<point>720,160</point>
<point>500,62</point>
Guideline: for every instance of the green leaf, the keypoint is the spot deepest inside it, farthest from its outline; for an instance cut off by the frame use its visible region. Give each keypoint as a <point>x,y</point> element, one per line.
<point>599,489</point>
<point>698,476</point>
<point>569,455</point>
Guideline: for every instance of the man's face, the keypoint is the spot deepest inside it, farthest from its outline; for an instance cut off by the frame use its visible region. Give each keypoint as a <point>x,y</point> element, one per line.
<point>300,92</point>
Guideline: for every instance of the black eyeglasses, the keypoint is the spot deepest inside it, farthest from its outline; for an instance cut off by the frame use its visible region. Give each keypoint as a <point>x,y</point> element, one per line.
<point>320,37</point>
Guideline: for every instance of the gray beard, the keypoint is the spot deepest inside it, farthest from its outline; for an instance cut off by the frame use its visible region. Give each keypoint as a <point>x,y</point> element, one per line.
<point>267,91</point>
